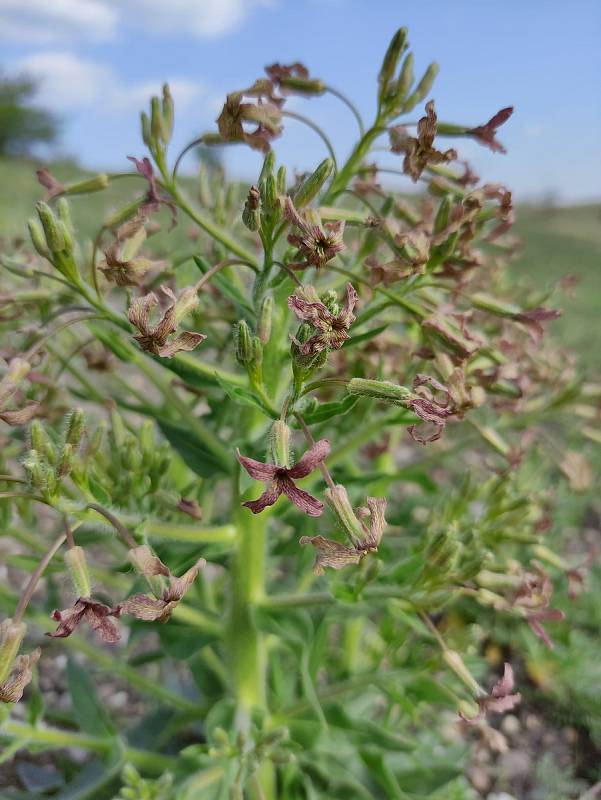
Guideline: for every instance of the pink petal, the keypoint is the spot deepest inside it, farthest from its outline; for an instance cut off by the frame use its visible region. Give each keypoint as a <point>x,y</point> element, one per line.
<point>505,685</point>
<point>346,316</point>
<point>256,469</point>
<point>301,499</point>
<point>311,459</point>
<point>315,314</point>
<point>268,498</point>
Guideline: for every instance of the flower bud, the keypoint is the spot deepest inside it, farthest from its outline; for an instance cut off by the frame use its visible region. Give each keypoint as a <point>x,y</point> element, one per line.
<point>269,195</point>
<point>397,46</point>
<point>251,215</point>
<point>244,347</point>
<point>268,166</point>
<point>468,710</point>
<point>494,306</point>
<point>280,443</point>
<point>168,111</point>
<point>422,89</point>
<point>157,123</point>
<point>442,215</point>
<point>145,126</point>
<point>455,662</point>
<point>309,86</point>
<point>75,428</point>
<point>75,559</point>
<point>312,185</point>
<point>95,184</point>
<point>337,499</point>
<point>281,180</point>
<point>11,636</point>
<point>265,317</point>
<point>380,390</point>
<point>37,237</point>
<point>403,84</point>
<point>52,232</point>
<point>65,462</point>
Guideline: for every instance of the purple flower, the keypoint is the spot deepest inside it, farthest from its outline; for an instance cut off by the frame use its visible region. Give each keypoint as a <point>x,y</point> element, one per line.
<point>486,134</point>
<point>332,329</point>
<point>154,198</point>
<point>419,151</point>
<point>534,596</point>
<point>429,408</point>
<point>156,339</point>
<point>88,610</point>
<point>280,480</point>
<point>317,243</point>
<point>500,698</point>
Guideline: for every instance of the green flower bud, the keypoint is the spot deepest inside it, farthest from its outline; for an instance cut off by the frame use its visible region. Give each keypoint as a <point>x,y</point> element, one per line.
<point>157,123</point>
<point>281,180</point>
<point>145,126</point>
<point>52,232</point>
<point>380,390</point>
<point>95,184</point>
<point>244,347</point>
<point>268,167</point>
<point>251,215</point>
<point>37,237</point>
<point>11,636</point>
<point>422,89</point>
<point>403,84</point>
<point>397,46</point>
<point>312,185</point>
<point>168,111</point>
<point>75,428</point>
<point>337,499</point>
<point>75,559</point>
<point>265,317</point>
<point>269,195</point>
<point>310,86</point>
<point>442,215</point>
<point>65,462</point>
<point>122,215</point>
<point>280,443</point>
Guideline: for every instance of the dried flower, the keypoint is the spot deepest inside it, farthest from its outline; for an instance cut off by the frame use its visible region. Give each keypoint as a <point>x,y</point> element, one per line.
<point>294,78</point>
<point>265,113</point>
<point>156,339</point>
<point>419,152</point>
<point>332,329</point>
<point>429,408</point>
<point>500,698</point>
<point>280,480</point>
<point>336,555</point>
<point>97,615</point>
<point>17,371</point>
<point>317,243</point>
<point>486,134</point>
<point>121,263</point>
<point>160,607</point>
<point>154,198</point>
<point>534,596</point>
<point>49,182</point>
<point>11,690</point>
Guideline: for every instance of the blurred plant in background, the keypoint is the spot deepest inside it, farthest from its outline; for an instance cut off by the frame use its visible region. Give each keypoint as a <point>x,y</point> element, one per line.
<point>303,467</point>
<point>22,125</point>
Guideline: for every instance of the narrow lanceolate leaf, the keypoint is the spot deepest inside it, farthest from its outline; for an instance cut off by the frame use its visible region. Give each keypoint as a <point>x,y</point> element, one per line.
<point>245,397</point>
<point>364,337</point>
<point>226,287</point>
<point>325,411</point>
<point>192,451</point>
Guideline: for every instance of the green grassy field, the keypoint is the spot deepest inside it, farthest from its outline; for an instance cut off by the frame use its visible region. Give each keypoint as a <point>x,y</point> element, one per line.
<point>556,242</point>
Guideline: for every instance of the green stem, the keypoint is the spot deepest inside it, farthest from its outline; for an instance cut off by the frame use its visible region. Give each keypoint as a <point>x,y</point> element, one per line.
<point>319,131</point>
<point>207,534</point>
<point>54,737</point>
<point>345,175</point>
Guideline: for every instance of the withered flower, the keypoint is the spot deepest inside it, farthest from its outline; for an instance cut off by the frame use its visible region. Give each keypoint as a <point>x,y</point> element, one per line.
<point>317,243</point>
<point>294,78</point>
<point>280,480</point>
<point>49,182</point>
<point>413,255</point>
<point>332,329</point>
<point>154,197</point>
<point>161,606</point>
<point>189,507</point>
<point>155,339</point>
<point>429,407</point>
<point>11,690</point>
<point>331,553</point>
<point>265,113</point>
<point>500,698</point>
<point>97,615</point>
<point>486,134</point>
<point>534,318</point>
<point>17,371</point>
<point>419,152</point>
<point>121,263</point>
<point>534,596</point>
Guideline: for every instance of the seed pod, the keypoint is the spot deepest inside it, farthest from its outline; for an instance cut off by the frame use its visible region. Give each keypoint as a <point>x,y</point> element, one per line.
<point>265,317</point>
<point>244,347</point>
<point>380,390</point>
<point>37,237</point>
<point>75,428</point>
<point>11,636</point>
<point>52,232</point>
<point>280,443</point>
<point>312,185</point>
<point>75,559</point>
<point>422,89</point>
<point>337,499</point>
<point>395,49</point>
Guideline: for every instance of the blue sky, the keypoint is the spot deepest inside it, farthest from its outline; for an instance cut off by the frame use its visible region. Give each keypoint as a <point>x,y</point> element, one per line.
<point>100,59</point>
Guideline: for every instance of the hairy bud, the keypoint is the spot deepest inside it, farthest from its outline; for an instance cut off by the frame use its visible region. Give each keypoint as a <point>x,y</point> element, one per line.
<point>279,443</point>
<point>11,636</point>
<point>75,560</point>
<point>312,185</point>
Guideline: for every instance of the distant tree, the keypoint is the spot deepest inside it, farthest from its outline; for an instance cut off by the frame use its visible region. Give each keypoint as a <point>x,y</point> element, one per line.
<point>22,125</point>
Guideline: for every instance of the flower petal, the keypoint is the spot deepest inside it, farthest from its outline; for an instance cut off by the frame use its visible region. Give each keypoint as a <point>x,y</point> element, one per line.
<point>179,586</point>
<point>256,469</point>
<point>303,500</point>
<point>346,316</point>
<point>268,498</point>
<point>311,459</point>
<point>316,314</point>
<point>11,690</point>
<point>330,553</point>
<point>139,312</point>
<point>187,340</point>
<point>142,606</point>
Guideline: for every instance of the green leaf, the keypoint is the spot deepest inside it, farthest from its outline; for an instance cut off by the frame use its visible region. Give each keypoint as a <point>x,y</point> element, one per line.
<point>193,452</point>
<point>87,710</point>
<point>113,341</point>
<point>325,411</point>
<point>244,397</point>
<point>226,287</point>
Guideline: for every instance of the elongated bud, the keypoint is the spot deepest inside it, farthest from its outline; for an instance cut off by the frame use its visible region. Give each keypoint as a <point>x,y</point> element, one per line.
<point>38,436</point>
<point>441,553</point>
<point>75,428</point>
<point>11,636</point>
<point>269,195</point>
<point>65,462</point>
<point>168,110</point>
<point>268,166</point>
<point>52,232</point>
<point>145,127</point>
<point>422,89</point>
<point>157,125</point>
<point>96,440</point>
<point>75,559</point>
<point>204,188</point>
<point>497,580</point>
<point>280,443</point>
<point>380,390</point>
<point>442,215</point>
<point>251,215</point>
<point>244,347</point>
<point>122,214</point>
<point>403,84</point>
<point>64,213</point>
<point>38,239</point>
<point>455,662</point>
<point>309,86</point>
<point>89,186</point>
<point>494,306</point>
<point>185,304</point>
<point>312,185</point>
<point>494,439</point>
<point>395,49</point>
<point>337,499</point>
<point>65,235</point>
<point>281,180</point>
<point>265,317</point>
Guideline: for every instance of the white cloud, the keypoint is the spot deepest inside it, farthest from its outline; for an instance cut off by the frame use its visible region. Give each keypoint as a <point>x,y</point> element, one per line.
<point>57,21</point>
<point>70,83</point>
<point>49,21</point>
